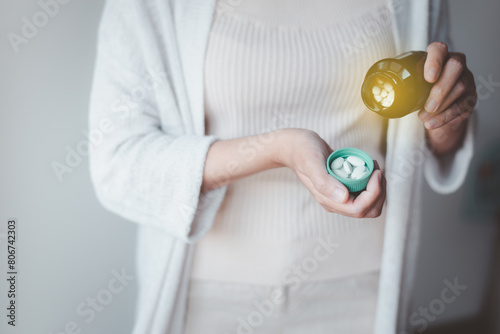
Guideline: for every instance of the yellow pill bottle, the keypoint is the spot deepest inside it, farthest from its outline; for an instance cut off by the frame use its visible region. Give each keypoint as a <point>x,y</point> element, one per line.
<point>395,87</point>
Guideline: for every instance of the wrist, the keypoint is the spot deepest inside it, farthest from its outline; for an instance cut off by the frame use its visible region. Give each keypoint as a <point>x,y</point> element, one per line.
<point>446,139</point>
<point>282,147</point>
<point>278,154</point>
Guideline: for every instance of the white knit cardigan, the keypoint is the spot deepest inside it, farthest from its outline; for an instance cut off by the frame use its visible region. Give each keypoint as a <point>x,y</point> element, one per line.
<point>148,100</point>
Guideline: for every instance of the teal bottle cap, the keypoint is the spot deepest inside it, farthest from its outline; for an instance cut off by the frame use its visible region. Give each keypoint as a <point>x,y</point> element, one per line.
<point>352,185</point>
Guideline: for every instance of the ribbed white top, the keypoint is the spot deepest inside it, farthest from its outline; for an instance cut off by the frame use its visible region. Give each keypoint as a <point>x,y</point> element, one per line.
<point>293,63</point>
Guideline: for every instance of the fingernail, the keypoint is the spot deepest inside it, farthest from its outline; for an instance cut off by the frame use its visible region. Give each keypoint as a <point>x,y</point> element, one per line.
<point>422,114</point>
<point>339,195</point>
<point>432,74</point>
<point>430,124</point>
<point>431,105</point>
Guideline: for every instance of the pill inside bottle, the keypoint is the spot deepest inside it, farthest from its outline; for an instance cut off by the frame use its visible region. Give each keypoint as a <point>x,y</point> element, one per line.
<point>383,92</point>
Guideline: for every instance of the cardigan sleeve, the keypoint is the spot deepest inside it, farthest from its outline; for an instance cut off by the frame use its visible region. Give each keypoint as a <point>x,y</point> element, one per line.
<point>144,166</point>
<point>447,173</point>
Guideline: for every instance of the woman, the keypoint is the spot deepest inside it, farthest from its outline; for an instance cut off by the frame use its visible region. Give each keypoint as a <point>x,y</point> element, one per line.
<point>204,100</point>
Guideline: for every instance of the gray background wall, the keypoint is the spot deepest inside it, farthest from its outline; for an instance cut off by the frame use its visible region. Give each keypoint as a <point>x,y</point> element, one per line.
<point>70,248</point>
<point>466,243</point>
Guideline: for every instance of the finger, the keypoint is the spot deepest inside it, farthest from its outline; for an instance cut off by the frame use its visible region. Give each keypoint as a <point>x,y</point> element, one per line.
<point>367,199</point>
<point>460,120</point>
<point>449,76</point>
<point>326,201</point>
<point>353,209</point>
<point>326,184</point>
<point>458,90</point>
<point>424,115</point>
<point>463,107</point>
<point>377,167</point>
<point>376,210</point>
<point>328,148</point>
<point>463,86</point>
<point>436,56</point>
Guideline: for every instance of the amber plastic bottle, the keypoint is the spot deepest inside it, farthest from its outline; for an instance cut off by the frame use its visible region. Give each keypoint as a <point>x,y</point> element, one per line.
<point>405,74</point>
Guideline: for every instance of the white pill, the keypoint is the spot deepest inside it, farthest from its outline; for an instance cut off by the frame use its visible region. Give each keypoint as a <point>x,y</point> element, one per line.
<point>366,172</point>
<point>390,96</point>
<point>347,167</point>
<point>355,161</point>
<point>388,87</point>
<point>341,173</point>
<point>384,93</point>
<point>338,163</point>
<point>376,90</point>
<point>362,175</point>
<point>386,103</point>
<point>358,172</point>
<point>378,98</point>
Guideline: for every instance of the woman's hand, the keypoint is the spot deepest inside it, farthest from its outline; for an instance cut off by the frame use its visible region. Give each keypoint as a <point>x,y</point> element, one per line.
<point>305,153</point>
<point>451,100</point>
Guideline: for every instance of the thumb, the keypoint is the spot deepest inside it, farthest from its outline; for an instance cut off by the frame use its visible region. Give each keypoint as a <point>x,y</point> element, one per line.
<point>329,186</point>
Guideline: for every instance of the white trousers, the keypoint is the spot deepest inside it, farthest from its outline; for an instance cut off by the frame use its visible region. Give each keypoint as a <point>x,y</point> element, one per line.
<point>340,306</point>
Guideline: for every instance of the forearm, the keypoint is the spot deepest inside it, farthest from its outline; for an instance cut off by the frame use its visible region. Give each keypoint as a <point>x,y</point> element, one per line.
<point>233,159</point>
